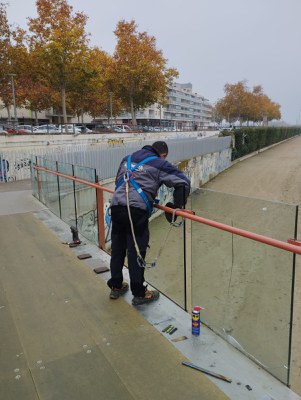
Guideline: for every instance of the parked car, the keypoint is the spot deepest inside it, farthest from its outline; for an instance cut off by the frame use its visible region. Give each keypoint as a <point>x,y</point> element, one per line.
<point>49,128</point>
<point>14,130</point>
<point>169,129</point>
<point>122,129</point>
<point>26,128</point>
<point>83,129</point>
<point>70,128</point>
<point>227,128</point>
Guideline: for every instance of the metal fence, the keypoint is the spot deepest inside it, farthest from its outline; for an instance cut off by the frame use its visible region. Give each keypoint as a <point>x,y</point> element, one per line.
<point>103,155</point>
<point>106,160</point>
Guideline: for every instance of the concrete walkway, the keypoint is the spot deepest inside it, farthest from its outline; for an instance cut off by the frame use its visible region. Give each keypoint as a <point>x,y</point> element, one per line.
<point>60,335</point>
<point>62,338</point>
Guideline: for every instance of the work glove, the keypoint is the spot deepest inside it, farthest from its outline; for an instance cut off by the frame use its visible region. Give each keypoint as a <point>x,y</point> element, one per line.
<point>170,217</point>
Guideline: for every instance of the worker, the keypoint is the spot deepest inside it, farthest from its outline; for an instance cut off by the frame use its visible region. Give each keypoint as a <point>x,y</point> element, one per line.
<point>137,182</point>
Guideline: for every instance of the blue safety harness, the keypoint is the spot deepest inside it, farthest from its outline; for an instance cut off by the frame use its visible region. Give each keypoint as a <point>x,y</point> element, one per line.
<point>128,177</point>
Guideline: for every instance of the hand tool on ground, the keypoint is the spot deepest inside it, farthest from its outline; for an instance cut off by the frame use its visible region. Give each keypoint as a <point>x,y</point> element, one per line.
<point>100,270</point>
<point>206,371</point>
<point>74,244</point>
<point>161,322</point>
<point>83,256</point>
<point>179,338</point>
<point>166,328</point>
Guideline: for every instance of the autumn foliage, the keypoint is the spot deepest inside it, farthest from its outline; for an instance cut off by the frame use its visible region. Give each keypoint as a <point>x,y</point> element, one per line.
<point>241,104</point>
<point>54,66</point>
<point>139,69</point>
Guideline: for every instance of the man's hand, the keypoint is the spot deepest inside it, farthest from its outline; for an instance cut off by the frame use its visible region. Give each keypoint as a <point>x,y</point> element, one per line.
<point>170,217</point>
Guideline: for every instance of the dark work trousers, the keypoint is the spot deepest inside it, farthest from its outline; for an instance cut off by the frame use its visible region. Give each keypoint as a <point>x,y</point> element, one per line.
<point>122,243</point>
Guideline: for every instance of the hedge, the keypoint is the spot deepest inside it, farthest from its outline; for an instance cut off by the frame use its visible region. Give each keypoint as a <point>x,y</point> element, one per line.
<point>248,140</point>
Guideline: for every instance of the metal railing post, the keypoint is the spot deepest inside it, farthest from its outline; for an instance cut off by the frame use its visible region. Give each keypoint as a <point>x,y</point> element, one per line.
<point>292,302</point>
<point>74,197</point>
<point>100,218</point>
<point>38,181</point>
<point>59,190</point>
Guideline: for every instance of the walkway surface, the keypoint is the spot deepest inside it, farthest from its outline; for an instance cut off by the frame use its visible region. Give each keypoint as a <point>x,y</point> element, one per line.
<point>62,338</point>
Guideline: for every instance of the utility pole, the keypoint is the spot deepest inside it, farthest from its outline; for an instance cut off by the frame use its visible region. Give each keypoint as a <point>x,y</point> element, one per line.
<point>14,96</point>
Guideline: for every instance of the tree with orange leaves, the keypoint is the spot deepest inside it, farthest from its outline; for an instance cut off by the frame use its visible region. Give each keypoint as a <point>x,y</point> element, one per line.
<point>59,41</point>
<point>90,92</point>
<point>5,63</point>
<point>239,103</point>
<point>139,76</point>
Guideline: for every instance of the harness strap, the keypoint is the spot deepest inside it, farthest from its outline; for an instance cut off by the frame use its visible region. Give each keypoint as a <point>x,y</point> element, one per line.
<point>129,173</point>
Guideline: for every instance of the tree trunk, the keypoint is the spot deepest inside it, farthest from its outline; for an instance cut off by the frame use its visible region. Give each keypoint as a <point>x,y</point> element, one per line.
<point>63,93</point>
<point>8,113</point>
<point>133,111</point>
<point>82,110</point>
<point>36,117</point>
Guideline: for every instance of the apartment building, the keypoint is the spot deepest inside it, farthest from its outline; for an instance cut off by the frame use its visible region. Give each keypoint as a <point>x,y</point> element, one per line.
<point>184,108</point>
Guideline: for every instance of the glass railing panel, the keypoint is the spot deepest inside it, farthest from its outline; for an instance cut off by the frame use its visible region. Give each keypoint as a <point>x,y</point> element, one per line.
<point>211,262</point>
<point>42,178</point>
<point>257,306</point>
<point>66,195</point>
<point>260,304</point>
<point>51,190</point>
<point>167,249</point>
<point>262,279</point>
<point>86,204</point>
<point>34,177</point>
<point>107,219</point>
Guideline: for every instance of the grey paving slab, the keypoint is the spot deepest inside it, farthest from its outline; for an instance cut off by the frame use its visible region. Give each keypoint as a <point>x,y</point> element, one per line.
<point>74,342</point>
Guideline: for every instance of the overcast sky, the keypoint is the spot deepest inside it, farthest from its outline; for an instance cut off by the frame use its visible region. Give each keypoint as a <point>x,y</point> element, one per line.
<point>210,42</point>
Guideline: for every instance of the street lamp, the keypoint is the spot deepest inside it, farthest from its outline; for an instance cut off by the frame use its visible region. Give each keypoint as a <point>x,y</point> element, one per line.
<point>14,96</point>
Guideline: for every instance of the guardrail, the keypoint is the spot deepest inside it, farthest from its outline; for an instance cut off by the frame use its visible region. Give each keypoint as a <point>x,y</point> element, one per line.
<point>292,245</point>
<point>254,284</point>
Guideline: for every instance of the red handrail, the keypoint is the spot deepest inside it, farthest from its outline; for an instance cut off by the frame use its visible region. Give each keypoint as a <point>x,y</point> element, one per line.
<point>190,215</point>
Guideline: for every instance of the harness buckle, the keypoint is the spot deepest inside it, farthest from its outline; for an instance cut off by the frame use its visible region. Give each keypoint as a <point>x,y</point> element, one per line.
<point>128,175</point>
<point>143,264</point>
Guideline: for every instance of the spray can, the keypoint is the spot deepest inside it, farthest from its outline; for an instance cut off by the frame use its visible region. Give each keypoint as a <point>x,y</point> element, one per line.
<point>195,320</point>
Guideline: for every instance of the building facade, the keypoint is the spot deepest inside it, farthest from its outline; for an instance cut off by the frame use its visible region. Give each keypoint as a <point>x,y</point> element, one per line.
<point>186,107</point>
<point>183,109</point>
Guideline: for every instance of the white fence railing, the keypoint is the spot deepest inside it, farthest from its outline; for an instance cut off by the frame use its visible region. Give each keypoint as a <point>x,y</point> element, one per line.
<point>103,156</point>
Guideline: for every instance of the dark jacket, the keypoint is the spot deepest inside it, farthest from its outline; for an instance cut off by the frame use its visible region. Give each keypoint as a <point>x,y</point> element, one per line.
<point>150,177</point>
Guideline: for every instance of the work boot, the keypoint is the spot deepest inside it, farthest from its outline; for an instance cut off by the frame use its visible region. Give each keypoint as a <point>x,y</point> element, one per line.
<point>149,296</point>
<point>116,293</point>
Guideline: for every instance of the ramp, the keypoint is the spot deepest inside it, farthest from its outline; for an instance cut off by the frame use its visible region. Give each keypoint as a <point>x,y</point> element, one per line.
<point>62,338</point>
